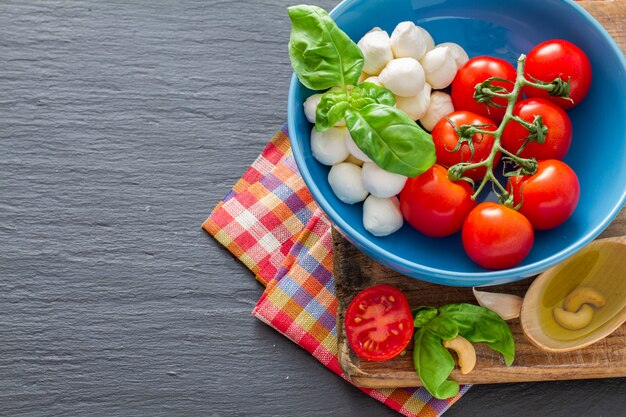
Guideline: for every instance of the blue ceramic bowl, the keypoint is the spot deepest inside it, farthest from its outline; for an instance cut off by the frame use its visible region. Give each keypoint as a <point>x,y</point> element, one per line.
<point>503,29</point>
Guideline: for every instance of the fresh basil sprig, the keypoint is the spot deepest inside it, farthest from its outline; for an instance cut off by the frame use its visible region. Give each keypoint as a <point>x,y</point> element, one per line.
<point>433,363</point>
<point>322,57</point>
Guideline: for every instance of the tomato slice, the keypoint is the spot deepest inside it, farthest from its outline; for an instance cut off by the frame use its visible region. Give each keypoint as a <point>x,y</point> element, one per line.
<point>378,323</point>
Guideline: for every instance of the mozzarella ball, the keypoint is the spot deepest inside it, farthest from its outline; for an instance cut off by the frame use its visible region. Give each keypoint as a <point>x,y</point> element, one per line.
<point>415,107</point>
<point>310,106</point>
<point>439,67</point>
<point>329,147</point>
<point>403,76</point>
<point>381,183</point>
<point>430,43</point>
<point>440,106</point>
<point>346,181</point>
<point>362,77</point>
<point>458,53</point>
<point>355,150</point>
<point>374,80</point>
<point>376,48</point>
<point>407,41</point>
<point>382,216</point>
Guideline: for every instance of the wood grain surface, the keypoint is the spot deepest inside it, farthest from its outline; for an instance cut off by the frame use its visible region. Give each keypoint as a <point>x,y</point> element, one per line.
<point>122,123</point>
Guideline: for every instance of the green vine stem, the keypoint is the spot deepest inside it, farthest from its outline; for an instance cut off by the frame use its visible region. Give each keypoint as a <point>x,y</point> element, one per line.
<point>527,166</point>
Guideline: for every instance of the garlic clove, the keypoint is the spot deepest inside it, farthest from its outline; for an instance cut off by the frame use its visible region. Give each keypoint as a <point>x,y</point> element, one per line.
<point>507,306</point>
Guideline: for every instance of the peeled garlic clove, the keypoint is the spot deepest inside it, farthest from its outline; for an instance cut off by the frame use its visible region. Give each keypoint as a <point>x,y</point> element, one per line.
<point>355,150</point>
<point>329,147</point>
<point>458,53</point>
<point>415,107</point>
<point>440,106</point>
<point>376,48</point>
<point>346,181</point>
<point>403,76</point>
<point>507,306</point>
<point>382,216</point>
<point>310,106</point>
<point>439,67</point>
<point>408,41</point>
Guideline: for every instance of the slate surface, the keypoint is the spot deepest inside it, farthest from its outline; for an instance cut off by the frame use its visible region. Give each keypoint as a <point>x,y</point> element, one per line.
<point>121,125</point>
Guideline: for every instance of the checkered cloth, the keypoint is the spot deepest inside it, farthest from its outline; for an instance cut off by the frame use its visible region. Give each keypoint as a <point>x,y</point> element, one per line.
<point>270,222</point>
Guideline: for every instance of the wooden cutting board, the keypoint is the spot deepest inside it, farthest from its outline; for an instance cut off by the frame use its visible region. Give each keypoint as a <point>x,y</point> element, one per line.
<point>354,271</point>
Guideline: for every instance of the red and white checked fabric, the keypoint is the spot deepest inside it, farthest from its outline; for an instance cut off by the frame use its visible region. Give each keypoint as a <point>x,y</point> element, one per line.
<point>270,222</point>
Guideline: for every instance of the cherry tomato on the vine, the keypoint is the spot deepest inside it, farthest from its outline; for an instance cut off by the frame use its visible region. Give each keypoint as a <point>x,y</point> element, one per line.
<point>434,205</point>
<point>378,323</point>
<point>548,197</point>
<point>475,71</point>
<point>497,237</point>
<point>446,138</point>
<point>559,58</point>
<point>557,140</point>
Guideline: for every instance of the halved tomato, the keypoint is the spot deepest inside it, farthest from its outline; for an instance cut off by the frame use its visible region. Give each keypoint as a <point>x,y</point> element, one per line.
<point>378,323</point>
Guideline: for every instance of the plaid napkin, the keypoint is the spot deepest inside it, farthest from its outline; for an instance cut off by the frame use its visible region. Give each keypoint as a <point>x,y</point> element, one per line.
<point>270,222</point>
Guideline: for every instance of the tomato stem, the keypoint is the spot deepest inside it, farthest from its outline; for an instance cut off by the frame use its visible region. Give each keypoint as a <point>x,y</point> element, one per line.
<point>528,166</point>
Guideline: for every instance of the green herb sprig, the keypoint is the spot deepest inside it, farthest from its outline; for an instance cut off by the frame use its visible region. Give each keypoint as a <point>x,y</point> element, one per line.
<point>433,362</point>
<point>323,56</point>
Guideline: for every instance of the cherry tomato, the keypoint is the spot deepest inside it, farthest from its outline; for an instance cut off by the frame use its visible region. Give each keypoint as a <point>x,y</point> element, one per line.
<point>475,71</point>
<point>434,205</point>
<point>548,197</point>
<point>559,58</point>
<point>446,139</point>
<point>557,140</point>
<point>497,237</point>
<point>378,323</point>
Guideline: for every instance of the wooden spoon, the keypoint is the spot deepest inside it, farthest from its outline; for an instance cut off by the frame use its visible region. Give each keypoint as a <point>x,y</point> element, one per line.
<point>600,265</point>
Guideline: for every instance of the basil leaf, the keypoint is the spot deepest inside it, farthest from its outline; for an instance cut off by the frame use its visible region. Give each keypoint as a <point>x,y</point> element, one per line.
<point>479,324</point>
<point>330,109</point>
<point>433,364</point>
<point>391,139</point>
<point>444,327</point>
<point>321,54</point>
<point>423,315</point>
<point>377,93</point>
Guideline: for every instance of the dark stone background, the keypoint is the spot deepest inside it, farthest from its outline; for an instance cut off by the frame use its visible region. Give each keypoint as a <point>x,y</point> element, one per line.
<point>121,125</point>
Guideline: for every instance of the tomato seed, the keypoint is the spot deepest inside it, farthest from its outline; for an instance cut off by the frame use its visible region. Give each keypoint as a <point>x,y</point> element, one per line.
<point>392,299</point>
<point>357,320</point>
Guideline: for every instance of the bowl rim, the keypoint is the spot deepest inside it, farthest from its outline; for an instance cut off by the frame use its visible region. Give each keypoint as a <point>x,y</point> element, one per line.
<point>427,273</point>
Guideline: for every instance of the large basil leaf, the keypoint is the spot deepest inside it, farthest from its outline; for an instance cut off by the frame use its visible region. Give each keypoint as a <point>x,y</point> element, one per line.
<point>433,363</point>
<point>479,324</point>
<point>391,139</point>
<point>321,54</point>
